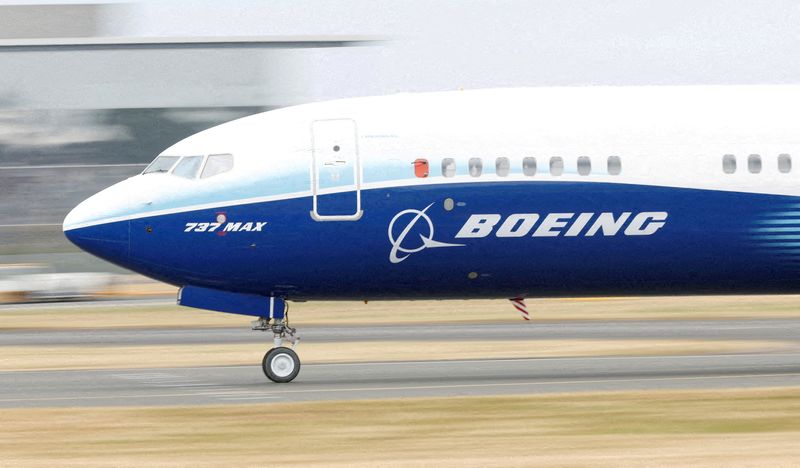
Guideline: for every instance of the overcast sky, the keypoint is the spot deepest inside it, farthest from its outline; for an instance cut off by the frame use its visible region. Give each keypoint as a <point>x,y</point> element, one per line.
<point>436,45</point>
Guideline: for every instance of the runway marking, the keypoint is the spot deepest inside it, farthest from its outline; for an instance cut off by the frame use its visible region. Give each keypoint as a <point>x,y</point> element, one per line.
<point>418,387</point>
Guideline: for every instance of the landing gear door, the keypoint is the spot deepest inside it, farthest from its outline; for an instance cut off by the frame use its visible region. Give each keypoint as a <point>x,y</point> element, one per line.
<point>335,171</point>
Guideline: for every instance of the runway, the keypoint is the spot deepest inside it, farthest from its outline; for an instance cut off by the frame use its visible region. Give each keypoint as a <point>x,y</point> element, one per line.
<point>375,380</point>
<point>238,384</point>
<point>751,329</point>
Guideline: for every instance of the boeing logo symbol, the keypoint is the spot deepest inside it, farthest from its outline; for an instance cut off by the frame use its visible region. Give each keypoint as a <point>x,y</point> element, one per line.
<point>427,241</point>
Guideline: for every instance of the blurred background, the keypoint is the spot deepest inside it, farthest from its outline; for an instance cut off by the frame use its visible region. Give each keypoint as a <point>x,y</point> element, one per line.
<point>81,109</point>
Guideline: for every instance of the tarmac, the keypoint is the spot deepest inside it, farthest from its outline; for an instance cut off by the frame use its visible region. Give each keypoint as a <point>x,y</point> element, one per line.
<point>434,378</point>
<point>730,329</point>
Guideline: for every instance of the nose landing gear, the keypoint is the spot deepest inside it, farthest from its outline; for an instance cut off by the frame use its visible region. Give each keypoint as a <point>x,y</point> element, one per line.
<point>280,364</point>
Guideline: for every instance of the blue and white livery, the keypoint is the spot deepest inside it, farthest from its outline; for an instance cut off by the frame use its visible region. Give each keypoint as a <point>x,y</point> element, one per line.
<point>506,193</point>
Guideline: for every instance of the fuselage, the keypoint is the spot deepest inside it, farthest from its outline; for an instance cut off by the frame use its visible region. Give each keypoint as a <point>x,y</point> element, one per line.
<point>540,192</point>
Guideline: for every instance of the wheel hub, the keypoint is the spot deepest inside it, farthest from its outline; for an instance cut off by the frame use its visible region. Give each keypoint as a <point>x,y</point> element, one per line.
<point>282,365</point>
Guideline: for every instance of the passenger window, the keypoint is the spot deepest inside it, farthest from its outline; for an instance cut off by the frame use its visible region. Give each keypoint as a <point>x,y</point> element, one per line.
<point>449,167</point>
<point>529,166</point>
<point>785,163</point>
<point>584,165</point>
<point>502,166</point>
<point>188,167</point>
<point>754,163</point>
<point>729,164</point>
<point>614,165</point>
<point>421,168</point>
<point>217,164</point>
<point>475,167</point>
<point>556,166</point>
<point>161,164</point>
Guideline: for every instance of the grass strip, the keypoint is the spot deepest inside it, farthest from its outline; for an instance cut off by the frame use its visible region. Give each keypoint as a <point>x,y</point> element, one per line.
<point>752,427</point>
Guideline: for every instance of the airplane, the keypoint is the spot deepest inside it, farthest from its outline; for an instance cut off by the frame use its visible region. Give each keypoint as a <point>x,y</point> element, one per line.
<point>498,193</point>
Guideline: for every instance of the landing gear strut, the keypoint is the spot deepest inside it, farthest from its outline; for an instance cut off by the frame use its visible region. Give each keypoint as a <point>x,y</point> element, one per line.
<point>280,364</point>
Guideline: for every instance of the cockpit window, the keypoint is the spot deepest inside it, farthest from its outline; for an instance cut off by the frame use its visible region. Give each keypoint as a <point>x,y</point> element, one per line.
<point>217,164</point>
<point>161,164</point>
<point>188,167</point>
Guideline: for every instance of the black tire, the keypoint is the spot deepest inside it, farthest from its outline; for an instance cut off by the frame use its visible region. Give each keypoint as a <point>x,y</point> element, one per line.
<point>281,365</point>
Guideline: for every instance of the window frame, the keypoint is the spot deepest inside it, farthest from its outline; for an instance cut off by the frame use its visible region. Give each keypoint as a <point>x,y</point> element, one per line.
<point>732,167</point>
<point>198,171</point>
<point>446,163</point>
<point>551,165</point>
<point>535,166</point>
<point>208,158</point>
<point>505,163</point>
<point>754,164</point>
<point>614,161</point>
<point>587,167</point>
<point>478,166</point>
<point>168,171</point>
<point>785,157</point>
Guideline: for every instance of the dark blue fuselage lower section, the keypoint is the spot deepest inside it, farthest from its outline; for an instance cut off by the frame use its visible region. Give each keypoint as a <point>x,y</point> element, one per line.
<point>711,242</point>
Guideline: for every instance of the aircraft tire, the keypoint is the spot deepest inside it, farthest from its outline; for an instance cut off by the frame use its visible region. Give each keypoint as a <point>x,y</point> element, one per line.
<point>281,365</point>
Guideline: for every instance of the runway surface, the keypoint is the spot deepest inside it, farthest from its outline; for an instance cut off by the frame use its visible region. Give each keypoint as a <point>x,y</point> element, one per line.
<point>770,329</point>
<point>241,384</point>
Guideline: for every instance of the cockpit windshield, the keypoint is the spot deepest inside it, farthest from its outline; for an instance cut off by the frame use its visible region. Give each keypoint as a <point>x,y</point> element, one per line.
<point>217,164</point>
<point>192,167</point>
<point>161,164</point>
<point>188,167</point>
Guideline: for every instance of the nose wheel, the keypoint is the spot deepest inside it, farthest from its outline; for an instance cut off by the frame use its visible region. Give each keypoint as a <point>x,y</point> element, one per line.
<point>281,364</point>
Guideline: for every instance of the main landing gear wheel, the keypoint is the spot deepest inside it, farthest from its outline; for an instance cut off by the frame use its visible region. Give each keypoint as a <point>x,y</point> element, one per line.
<point>281,365</point>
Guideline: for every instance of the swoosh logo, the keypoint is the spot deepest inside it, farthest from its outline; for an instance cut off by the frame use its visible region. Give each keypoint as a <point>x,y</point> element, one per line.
<point>400,251</point>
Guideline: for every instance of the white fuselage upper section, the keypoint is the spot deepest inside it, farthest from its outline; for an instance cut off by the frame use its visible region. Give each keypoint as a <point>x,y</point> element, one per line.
<point>663,136</point>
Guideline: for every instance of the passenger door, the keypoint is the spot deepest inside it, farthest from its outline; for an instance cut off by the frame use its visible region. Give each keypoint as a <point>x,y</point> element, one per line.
<point>336,171</point>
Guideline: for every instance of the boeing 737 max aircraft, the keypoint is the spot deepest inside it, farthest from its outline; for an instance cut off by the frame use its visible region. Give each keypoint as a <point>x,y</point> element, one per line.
<point>507,193</point>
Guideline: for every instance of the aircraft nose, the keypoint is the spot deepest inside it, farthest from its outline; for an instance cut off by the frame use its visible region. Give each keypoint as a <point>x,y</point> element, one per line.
<point>98,225</point>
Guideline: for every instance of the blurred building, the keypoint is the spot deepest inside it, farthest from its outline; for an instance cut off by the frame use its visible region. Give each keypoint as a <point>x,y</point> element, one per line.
<point>74,122</point>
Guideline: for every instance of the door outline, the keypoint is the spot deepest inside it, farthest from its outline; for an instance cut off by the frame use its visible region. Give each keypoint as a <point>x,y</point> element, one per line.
<point>315,166</point>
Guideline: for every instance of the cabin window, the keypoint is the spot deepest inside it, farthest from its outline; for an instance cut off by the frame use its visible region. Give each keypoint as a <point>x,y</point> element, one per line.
<point>785,163</point>
<point>161,164</point>
<point>188,167</point>
<point>449,167</point>
<point>421,168</point>
<point>502,166</point>
<point>217,164</point>
<point>729,164</point>
<point>556,166</point>
<point>584,165</point>
<point>529,166</point>
<point>614,165</point>
<point>754,163</point>
<point>475,167</point>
